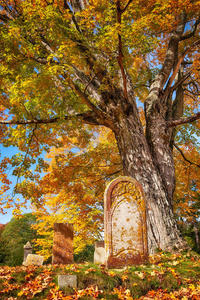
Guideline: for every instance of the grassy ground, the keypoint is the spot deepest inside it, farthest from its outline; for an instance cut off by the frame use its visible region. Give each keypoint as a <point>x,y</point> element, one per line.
<point>166,276</point>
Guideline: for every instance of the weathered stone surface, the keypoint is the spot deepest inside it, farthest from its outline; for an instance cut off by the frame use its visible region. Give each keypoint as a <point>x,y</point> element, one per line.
<point>67,280</point>
<point>34,259</point>
<point>27,250</point>
<point>125,223</point>
<point>63,244</point>
<point>99,253</point>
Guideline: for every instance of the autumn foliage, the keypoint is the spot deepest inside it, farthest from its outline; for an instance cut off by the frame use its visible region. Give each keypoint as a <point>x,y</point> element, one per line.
<point>167,277</point>
<point>71,189</point>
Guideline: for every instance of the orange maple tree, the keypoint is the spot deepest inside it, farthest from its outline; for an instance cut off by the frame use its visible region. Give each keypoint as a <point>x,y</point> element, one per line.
<point>72,188</point>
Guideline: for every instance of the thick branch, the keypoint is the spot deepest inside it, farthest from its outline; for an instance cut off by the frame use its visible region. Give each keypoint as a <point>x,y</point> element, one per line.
<point>184,120</point>
<point>174,87</point>
<point>172,50</point>
<point>66,6</point>
<point>180,62</point>
<point>177,106</point>
<point>127,5</point>
<point>91,83</point>
<point>27,122</point>
<point>161,78</point>
<point>120,56</point>
<point>40,60</point>
<point>191,33</point>
<point>86,100</point>
<point>88,117</point>
<point>4,18</point>
<point>183,155</point>
<point>176,69</point>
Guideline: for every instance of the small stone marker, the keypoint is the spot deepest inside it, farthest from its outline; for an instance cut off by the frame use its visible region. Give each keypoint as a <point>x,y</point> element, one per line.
<point>34,259</point>
<point>125,223</point>
<point>63,244</point>
<point>27,250</point>
<point>67,280</point>
<point>99,253</point>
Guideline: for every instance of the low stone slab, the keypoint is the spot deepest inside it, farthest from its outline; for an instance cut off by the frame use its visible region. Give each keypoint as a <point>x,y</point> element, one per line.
<point>67,280</point>
<point>34,259</point>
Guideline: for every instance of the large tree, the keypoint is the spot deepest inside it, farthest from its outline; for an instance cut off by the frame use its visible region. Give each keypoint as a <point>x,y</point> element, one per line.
<point>64,63</point>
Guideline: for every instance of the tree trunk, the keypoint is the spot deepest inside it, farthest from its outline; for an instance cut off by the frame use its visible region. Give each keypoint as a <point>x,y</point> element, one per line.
<point>139,162</point>
<point>196,232</point>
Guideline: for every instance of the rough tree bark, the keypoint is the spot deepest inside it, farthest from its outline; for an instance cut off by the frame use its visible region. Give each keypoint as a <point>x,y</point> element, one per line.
<point>139,164</point>
<point>146,156</point>
<point>196,232</point>
<point>149,159</point>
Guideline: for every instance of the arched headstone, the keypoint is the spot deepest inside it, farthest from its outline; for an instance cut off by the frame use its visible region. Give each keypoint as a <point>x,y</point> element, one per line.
<point>125,223</point>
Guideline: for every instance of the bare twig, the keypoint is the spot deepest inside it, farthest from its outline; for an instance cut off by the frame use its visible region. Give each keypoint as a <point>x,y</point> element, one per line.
<point>191,33</point>
<point>25,157</point>
<point>108,175</point>
<point>127,5</point>
<point>183,155</point>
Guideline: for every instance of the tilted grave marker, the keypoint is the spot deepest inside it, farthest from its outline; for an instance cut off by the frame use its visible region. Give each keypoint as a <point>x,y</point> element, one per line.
<point>125,223</point>
<point>34,259</point>
<point>63,244</point>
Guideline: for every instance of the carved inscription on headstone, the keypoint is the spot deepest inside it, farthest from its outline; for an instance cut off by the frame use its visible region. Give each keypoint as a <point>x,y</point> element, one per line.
<point>125,223</point>
<point>63,244</point>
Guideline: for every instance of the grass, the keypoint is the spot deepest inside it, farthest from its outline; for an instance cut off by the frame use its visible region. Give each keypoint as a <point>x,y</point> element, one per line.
<point>165,276</point>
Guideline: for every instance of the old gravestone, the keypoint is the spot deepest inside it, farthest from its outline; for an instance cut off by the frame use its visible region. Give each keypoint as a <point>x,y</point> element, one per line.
<point>99,253</point>
<point>27,250</point>
<point>125,223</point>
<point>67,280</point>
<point>34,259</point>
<point>63,244</point>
